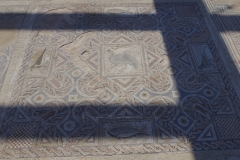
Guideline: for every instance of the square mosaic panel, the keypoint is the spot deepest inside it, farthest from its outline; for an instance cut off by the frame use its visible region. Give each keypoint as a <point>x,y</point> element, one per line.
<point>123,61</point>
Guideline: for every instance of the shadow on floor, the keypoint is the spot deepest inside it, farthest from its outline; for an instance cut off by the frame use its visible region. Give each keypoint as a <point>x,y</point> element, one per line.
<point>182,99</point>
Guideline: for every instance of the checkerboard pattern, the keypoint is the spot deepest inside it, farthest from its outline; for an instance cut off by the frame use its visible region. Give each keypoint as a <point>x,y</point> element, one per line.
<point>228,127</point>
<point>21,136</point>
<point>185,11</point>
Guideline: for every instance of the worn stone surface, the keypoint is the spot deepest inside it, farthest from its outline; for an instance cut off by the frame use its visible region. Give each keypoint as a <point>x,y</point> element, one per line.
<point>8,36</point>
<point>117,79</point>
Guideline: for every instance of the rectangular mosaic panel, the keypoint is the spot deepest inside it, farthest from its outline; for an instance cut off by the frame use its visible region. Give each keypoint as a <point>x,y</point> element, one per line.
<point>100,79</point>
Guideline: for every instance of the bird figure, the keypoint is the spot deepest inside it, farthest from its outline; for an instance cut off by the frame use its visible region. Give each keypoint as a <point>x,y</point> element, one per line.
<point>124,58</point>
<point>206,62</point>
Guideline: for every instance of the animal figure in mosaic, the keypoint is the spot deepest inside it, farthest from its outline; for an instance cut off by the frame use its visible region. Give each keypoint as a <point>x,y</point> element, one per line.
<point>38,61</point>
<point>206,61</point>
<point>124,132</point>
<point>123,58</point>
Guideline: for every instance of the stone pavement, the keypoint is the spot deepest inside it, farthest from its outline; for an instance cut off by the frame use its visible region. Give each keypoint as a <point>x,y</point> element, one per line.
<point>120,79</point>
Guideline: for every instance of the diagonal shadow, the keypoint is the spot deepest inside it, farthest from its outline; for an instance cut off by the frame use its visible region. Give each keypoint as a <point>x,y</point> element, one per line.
<point>192,117</point>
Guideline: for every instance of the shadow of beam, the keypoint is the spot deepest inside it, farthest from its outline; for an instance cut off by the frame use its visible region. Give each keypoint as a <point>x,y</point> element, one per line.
<point>100,22</point>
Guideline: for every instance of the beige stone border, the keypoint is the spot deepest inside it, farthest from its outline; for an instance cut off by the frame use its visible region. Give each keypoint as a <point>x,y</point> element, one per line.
<point>204,155</point>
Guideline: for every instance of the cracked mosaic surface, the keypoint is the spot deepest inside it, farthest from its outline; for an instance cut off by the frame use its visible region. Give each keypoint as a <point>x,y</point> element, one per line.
<point>99,84</point>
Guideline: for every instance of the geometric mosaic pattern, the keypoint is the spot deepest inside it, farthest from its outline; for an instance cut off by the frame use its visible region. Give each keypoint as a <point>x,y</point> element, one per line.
<point>21,136</point>
<point>228,127</point>
<point>103,79</point>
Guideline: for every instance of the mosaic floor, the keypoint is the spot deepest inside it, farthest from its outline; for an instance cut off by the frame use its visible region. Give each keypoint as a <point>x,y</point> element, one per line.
<point>105,79</point>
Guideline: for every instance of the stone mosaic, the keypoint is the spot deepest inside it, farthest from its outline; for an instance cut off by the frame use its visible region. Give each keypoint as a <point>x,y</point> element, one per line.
<point>8,37</point>
<point>105,79</point>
